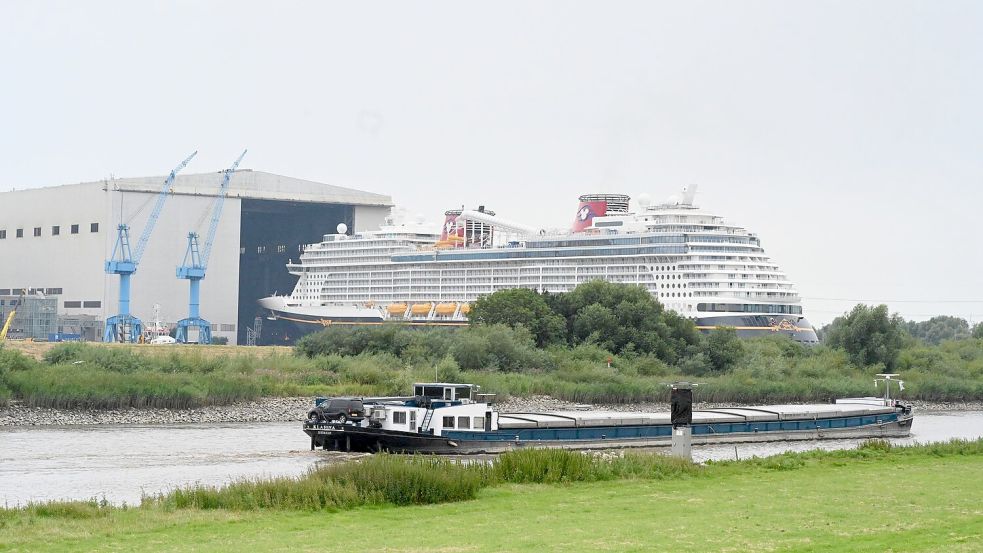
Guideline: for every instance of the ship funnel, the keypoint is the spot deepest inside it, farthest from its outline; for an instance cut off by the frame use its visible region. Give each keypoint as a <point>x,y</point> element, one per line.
<point>450,228</point>
<point>463,228</point>
<point>598,205</point>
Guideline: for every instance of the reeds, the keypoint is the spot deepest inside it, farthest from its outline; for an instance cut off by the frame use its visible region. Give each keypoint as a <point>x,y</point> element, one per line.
<point>378,480</point>
<point>550,466</point>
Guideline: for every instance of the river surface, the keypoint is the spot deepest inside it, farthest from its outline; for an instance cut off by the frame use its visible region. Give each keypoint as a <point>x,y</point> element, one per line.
<point>122,463</point>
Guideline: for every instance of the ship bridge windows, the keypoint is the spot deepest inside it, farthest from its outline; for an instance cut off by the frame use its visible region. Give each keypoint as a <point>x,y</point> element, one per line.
<point>749,308</point>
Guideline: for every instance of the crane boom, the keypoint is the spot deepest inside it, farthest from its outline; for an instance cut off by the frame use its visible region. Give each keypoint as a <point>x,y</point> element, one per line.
<point>217,212</point>
<point>158,206</point>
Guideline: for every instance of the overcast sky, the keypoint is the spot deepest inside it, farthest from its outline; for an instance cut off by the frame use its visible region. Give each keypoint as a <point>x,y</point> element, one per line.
<point>848,135</point>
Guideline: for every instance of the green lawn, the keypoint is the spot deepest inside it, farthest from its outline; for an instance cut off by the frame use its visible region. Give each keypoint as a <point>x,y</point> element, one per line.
<point>898,503</point>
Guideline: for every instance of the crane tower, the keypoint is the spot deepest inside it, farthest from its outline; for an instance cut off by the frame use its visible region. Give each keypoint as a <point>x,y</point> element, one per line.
<point>196,263</point>
<point>124,327</point>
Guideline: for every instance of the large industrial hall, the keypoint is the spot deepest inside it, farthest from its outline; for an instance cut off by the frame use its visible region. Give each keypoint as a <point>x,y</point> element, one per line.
<point>55,242</point>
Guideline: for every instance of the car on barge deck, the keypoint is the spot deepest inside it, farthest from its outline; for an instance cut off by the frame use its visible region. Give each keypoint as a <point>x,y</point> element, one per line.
<point>450,418</point>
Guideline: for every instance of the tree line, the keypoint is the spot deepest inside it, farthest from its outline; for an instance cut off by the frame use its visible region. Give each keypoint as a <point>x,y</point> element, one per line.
<point>521,329</point>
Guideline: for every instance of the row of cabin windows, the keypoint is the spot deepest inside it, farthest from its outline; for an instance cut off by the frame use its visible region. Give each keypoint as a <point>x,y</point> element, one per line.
<point>464,423</point>
<point>55,231</point>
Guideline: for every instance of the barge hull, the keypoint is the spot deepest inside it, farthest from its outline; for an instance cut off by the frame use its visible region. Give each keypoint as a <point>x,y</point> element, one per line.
<point>354,438</point>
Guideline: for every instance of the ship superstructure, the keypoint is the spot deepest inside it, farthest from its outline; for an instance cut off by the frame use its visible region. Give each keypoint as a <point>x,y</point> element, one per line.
<point>694,262</point>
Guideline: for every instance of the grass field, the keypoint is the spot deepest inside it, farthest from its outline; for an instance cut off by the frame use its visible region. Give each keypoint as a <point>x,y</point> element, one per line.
<point>908,500</point>
<point>37,350</point>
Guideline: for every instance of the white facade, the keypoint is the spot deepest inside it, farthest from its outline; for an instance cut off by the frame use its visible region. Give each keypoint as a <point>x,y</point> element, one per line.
<point>57,239</point>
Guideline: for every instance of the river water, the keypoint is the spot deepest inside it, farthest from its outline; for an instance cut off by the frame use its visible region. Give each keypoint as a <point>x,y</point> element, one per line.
<point>122,463</point>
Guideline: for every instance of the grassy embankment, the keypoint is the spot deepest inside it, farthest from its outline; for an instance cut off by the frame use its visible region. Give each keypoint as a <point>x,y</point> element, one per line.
<point>875,498</point>
<point>502,361</point>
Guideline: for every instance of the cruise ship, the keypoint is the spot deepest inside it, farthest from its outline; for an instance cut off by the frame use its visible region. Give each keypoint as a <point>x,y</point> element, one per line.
<point>693,262</point>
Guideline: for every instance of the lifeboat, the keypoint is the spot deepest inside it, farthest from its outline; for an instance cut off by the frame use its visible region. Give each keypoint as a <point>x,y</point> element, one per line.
<point>420,309</point>
<point>446,309</point>
<point>465,309</point>
<point>396,308</point>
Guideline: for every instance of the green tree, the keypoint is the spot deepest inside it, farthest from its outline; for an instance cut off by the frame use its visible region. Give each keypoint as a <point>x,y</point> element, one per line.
<point>724,349</point>
<point>938,329</point>
<point>621,317</point>
<point>869,335</point>
<point>978,330</point>
<point>520,307</point>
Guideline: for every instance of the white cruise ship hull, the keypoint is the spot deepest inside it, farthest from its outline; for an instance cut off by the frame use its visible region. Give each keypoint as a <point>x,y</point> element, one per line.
<point>304,319</point>
<point>286,323</point>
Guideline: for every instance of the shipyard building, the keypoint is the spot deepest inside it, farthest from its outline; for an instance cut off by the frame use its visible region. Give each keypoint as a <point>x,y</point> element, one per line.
<point>54,242</point>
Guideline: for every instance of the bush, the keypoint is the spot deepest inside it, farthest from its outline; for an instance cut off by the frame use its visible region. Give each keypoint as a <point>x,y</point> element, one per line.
<point>520,307</point>
<point>11,361</point>
<point>393,339</point>
<point>724,349</point>
<point>869,334</point>
<point>447,370</point>
<point>470,351</point>
<point>497,347</point>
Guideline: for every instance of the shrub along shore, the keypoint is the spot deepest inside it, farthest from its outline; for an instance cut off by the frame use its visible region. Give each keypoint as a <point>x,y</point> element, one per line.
<point>502,360</point>
<point>387,360</point>
<point>385,481</point>
<point>601,343</point>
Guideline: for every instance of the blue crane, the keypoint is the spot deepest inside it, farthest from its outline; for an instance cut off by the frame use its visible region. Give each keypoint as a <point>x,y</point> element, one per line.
<point>196,263</point>
<point>125,327</point>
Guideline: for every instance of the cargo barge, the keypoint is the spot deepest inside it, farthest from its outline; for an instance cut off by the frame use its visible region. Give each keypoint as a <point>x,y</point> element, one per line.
<point>446,418</point>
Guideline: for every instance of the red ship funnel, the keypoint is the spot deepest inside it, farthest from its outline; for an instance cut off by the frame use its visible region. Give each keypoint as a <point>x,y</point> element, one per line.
<point>598,205</point>
<point>586,213</point>
<point>450,225</point>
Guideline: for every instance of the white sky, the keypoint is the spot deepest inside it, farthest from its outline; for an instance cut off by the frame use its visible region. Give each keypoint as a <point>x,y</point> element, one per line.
<point>848,135</point>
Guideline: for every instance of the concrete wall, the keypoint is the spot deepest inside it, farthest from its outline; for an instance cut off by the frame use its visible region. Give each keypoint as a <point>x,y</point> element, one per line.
<point>72,262</point>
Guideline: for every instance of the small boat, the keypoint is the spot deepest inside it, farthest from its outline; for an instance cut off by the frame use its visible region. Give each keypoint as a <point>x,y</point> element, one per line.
<point>449,418</point>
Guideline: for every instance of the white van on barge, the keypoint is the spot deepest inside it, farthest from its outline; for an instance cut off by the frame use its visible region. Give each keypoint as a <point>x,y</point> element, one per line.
<point>452,418</point>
